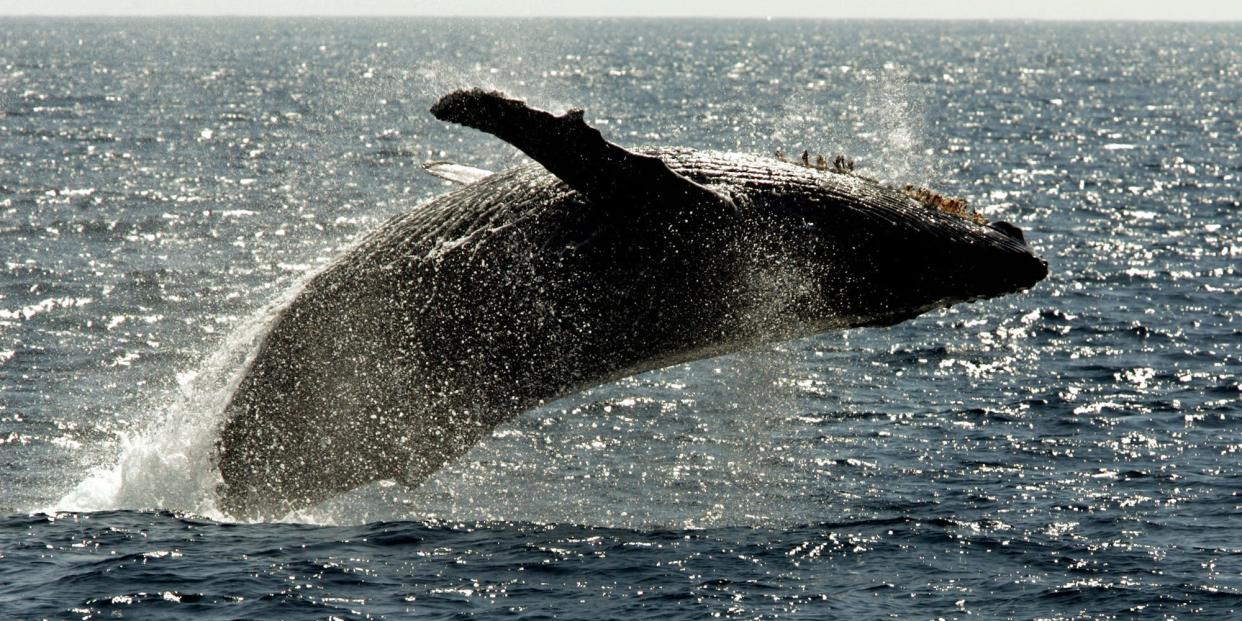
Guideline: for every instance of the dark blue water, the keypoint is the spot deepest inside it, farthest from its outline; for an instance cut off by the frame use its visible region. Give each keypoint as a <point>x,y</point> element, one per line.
<point>1071,452</point>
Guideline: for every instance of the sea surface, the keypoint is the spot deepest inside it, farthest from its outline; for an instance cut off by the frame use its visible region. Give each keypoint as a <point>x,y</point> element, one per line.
<point>1074,451</point>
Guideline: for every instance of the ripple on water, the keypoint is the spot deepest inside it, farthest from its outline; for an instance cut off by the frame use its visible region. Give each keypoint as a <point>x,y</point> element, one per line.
<point>1070,451</point>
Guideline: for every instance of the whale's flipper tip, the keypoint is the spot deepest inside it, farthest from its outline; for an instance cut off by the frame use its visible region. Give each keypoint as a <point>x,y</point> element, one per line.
<point>457,173</point>
<point>464,106</point>
<point>574,151</point>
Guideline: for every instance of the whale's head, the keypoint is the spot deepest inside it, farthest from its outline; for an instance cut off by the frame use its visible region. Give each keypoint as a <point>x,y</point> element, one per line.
<point>810,249</point>
<point>857,253</point>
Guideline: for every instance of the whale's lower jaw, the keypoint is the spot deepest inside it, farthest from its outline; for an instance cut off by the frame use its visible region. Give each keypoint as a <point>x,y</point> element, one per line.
<point>523,286</point>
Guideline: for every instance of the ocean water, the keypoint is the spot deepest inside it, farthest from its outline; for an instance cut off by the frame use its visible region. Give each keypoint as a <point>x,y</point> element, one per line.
<point>1070,452</point>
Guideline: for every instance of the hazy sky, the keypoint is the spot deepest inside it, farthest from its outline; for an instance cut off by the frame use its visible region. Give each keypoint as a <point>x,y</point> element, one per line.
<point>942,9</point>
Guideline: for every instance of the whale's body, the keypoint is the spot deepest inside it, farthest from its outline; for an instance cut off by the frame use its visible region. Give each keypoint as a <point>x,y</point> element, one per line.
<point>592,264</point>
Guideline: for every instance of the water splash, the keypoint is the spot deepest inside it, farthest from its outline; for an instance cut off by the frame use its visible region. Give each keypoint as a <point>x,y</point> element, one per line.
<point>878,120</point>
<point>895,127</point>
<point>167,464</point>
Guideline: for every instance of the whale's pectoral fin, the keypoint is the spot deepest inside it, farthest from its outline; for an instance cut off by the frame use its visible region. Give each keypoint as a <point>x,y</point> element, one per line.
<point>576,152</point>
<point>457,173</point>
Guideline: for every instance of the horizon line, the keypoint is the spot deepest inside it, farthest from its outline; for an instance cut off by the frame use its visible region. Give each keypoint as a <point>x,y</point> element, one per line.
<point>1161,20</point>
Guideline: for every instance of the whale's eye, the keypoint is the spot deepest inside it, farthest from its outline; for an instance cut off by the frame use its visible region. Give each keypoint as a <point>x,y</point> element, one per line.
<point>1008,229</point>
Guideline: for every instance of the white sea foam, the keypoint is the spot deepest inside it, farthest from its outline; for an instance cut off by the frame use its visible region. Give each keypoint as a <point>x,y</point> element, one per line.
<point>167,463</point>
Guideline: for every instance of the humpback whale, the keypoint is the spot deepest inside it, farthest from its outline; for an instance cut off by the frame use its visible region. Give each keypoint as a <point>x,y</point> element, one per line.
<point>591,263</point>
